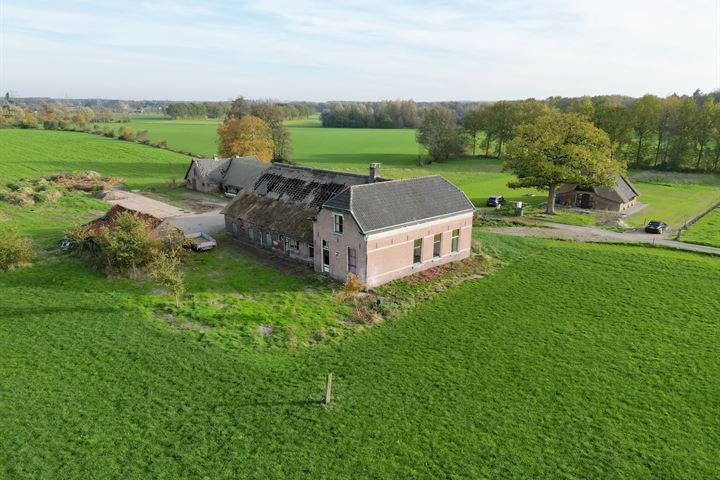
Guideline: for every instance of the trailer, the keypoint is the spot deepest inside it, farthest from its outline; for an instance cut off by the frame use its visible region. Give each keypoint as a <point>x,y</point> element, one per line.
<point>201,242</point>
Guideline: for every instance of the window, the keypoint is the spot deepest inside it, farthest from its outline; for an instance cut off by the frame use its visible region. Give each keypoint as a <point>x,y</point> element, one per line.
<point>337,223</point>
<point>251,234</point>
<point>268,240</point>
<point>455,241</point>
<point>437,245</point>
<point>311,251</point>
<point>417,251</point>
<point>233,228</point>
<point>352,260</point>
<point>294,245</point>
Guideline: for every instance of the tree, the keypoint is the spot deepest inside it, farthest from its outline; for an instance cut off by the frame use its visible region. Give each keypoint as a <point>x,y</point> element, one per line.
<point>560,148</point>
<point>613,119</point>
<point>644,115</point>
<point>248,135</point>
<point>128,245</point>
<point>239,108</point>
<point>165,269</point>
<point>473,124</point>
<point>702,127</point>
<point>273,116</point>
<point>440,134</point>
<point>502,120</point>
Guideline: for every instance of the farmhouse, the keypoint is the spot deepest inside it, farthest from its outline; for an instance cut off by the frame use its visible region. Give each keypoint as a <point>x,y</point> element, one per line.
<point>618,198</point>
<point>223,175</point>
<point>342,223</point>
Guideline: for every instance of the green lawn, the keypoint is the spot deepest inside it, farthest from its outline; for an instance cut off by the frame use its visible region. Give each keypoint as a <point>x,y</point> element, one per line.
<point>498,378</point>
<point>675,203</point>
<point>705,231</point>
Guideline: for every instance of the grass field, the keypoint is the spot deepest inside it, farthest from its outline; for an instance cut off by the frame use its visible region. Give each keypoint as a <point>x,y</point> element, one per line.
<point>498,378</point>
<point>673,198</point>
<point>705,231</point>
<point>611,372</point>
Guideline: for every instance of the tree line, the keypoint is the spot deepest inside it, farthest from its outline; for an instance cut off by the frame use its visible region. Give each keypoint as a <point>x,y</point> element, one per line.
<point>188,110</point>
<point>385,114</point>
<point>675,133</point>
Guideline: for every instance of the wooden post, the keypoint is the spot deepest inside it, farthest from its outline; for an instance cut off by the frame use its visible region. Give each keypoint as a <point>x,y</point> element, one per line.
<point>328,389</point>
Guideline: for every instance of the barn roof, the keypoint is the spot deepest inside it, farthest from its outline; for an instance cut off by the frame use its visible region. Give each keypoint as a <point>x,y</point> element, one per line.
<point>392,204</point>
<point>108,220</point>
<point>284,198</point>
<point>242,171</point>
<point>212,169</point>
<point>623,191</point>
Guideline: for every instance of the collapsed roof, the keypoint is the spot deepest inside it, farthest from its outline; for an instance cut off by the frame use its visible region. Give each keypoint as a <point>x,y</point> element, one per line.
<point>285,198</point>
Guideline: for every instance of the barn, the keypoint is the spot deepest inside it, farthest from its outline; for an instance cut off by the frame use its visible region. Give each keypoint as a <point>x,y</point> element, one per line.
<point>619,198</point>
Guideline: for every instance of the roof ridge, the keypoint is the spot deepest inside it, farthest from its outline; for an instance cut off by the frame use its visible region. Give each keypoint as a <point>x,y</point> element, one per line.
<point>321,170</point>
<point>396,180</point>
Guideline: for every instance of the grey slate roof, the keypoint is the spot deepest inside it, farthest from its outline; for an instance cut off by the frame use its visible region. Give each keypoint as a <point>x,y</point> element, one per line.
<point>391,204</point>
<point>242,171</point>
<point>284,198</point>
<point>212,169</point>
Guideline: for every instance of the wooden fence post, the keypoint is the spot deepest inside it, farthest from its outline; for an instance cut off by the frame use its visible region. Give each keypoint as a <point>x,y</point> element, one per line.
<point>328,389</point>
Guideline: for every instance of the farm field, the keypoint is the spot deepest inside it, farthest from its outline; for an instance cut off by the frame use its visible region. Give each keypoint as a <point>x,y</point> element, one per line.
<point>705,231</point>
<point>498,378</point>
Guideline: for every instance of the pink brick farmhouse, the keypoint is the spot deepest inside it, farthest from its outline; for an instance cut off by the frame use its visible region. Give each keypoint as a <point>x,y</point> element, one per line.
<point>345,223</point>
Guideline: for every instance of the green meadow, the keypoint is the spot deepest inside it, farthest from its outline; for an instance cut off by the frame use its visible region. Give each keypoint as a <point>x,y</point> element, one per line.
<point>566,360</point>
<point>669,197</point>
<point>705,231</point>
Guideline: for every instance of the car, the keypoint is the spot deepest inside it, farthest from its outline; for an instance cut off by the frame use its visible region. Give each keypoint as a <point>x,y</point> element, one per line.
<point>655,226</point>
<point>495,200</point>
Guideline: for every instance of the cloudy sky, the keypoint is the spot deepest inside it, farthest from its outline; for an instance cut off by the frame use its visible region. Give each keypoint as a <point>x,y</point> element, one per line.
<point>357,50</point>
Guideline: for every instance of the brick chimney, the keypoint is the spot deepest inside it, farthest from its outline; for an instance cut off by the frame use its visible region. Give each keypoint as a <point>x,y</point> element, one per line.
<point>374,171</point>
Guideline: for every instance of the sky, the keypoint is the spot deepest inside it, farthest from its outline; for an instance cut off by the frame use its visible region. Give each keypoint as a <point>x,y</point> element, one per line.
<point>357,50</point>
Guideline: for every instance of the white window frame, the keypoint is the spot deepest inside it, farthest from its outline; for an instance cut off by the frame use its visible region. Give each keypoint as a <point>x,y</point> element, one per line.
<point>437,242</point>
<point>455,243</point>
<point>338,217</point>
<point>421,240</point>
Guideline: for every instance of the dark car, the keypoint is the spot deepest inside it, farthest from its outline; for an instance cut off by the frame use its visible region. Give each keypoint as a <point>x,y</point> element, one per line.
<point>656,226</point>
<point>495,200</point>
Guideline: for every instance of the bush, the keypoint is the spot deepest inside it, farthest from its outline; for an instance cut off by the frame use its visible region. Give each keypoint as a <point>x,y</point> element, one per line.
<point>351,287</point>
<point>128,245</point>
<point>15,251</point>
<point>126,133</point>
<point>165,269</point>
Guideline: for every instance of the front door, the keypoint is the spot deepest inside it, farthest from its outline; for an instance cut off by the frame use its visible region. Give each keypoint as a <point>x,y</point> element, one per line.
<point>586,201</point>
<point>325,257</point>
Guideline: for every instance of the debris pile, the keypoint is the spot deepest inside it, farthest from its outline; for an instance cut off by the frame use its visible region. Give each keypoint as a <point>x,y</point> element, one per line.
<point>31,191</point>
<point>85,181</point>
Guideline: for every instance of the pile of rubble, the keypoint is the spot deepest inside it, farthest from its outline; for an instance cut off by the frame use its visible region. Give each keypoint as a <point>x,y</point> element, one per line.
<point>31,191</point>
<point>86,181</point>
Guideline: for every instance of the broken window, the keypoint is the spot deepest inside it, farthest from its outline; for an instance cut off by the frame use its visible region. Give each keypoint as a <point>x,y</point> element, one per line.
<point>455,241</point>
<point>417,251</point>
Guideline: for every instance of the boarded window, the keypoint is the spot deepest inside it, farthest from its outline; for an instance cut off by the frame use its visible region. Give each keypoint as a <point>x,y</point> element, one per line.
<point>437,245</point>
<point>337,224</point>
<point>352,260</point>
<point>417,251</point>
<point>456,240</point>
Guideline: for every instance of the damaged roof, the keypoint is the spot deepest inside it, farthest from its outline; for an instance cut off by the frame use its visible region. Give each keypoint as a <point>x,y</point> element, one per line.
<point>108,220</point>
<point>392,204</point>
<point>284,198</point>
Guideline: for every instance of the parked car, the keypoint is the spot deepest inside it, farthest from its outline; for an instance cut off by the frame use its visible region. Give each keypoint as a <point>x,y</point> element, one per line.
<point>495,200</point>
<point>656,226</point>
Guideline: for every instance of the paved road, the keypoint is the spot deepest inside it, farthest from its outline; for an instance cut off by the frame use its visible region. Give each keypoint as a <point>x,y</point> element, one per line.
<point>593,234</point>
<point>187,221</point>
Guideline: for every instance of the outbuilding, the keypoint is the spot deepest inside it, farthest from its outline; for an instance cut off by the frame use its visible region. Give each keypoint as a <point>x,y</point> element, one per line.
<point>619,198</point>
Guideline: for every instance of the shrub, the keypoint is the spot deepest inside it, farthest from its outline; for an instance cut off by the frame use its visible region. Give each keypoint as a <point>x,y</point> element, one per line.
<point>126,133</point>
<point>128,245</point>
<point>165,269</point>
<point>15,251</point>
<point>351,287</point>
<point>110,133</point>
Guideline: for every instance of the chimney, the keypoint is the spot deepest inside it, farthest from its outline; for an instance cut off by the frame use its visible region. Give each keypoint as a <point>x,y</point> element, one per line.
<point>374,171</point>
